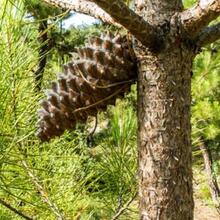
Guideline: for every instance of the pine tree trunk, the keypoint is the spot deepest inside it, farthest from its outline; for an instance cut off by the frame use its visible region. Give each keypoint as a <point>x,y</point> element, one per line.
<point>164,87</point>
<point>164,136</point>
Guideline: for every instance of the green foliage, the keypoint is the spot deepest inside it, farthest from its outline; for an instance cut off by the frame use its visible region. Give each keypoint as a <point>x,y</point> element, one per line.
<point>206,108</point>
<point>206,95</point>
<point>118,160</point>
<point>189,3</point>
<point>81,180</point>
<point>204,192</point>
<point>41,10</point>
<point>65,176</point>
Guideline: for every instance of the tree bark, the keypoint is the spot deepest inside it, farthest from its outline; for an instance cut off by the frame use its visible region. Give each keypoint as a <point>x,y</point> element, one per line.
<point>85,7</point>
<point>164,136</point>
<point>134,23</point>
<point>164,130</point>
<point>196,18</point>
<point>43,38</point>
<point>208,35</point>
<point>212,181</point>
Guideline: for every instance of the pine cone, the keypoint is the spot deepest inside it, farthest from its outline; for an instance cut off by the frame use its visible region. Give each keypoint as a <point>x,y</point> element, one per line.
<point>104,72</point>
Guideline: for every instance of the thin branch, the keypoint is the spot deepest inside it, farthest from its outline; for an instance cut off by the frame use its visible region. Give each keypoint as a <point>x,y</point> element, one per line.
<point>198,17</point>
<point>212,180</point>
<point>134,23</point>
<point>8,206</point>
<point>94,128</point>
<point>115,12</point>
<point>42,192</point>
<point>123,209</point>
<point>104,86</point>
<point>208,35</point>
<point>84,7</point>
<point>100,101</point>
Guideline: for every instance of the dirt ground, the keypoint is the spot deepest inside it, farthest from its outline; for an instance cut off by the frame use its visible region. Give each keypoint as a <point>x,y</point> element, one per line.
<point>205,212</point>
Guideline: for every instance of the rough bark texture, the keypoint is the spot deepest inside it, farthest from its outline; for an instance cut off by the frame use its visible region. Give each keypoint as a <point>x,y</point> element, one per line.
<point>134,23</point>
<point>208,35</point>
<point>212,181</point>
<point>165,165</point>
<point>196,18</point>
<point>164,135</point>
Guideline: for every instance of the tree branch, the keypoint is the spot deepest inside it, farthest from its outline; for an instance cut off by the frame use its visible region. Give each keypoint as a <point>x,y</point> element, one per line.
<point>84,7</point>
<point>198,17</point>
<point>208,35</point>
<point>114,12</point>
<point>212,180</point>
<point>8,206</point>
<point>134,23</point>
<point>42,191</point>
<point>123,209</point>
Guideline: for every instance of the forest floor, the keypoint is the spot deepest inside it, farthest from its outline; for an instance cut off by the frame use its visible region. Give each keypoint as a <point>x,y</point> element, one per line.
<point>204,211</point>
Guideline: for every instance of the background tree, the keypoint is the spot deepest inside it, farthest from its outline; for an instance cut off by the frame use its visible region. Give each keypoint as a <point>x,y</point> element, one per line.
<point>205,114</point>
<point>167,38</point>
<point>48,19</point>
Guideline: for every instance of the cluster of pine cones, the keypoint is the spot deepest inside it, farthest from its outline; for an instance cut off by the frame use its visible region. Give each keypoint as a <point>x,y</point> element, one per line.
<point>104,71</point>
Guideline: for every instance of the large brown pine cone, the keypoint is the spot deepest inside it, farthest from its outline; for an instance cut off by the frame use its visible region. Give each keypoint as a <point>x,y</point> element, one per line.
<point>104,72</point>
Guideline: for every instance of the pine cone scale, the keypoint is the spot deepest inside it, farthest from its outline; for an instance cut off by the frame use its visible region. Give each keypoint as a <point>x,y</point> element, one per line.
<point>88,85</point>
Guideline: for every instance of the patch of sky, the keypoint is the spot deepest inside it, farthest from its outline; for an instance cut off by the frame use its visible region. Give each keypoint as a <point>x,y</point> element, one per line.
<point>78,19</point>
